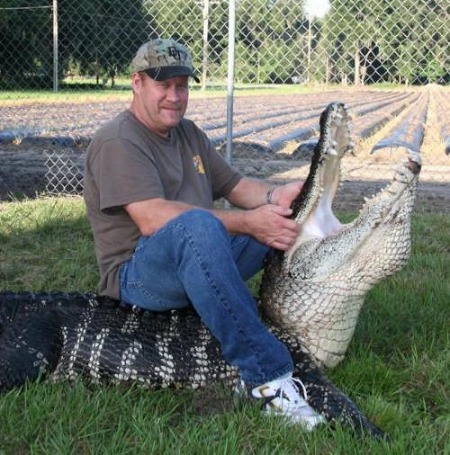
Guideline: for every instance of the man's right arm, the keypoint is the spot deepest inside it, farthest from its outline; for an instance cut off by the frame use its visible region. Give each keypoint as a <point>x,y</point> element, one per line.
<point>149,215</point>
<point>268,223</point>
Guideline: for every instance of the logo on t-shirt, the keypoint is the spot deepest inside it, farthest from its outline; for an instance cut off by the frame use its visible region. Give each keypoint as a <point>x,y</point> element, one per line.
<point>198,164</point>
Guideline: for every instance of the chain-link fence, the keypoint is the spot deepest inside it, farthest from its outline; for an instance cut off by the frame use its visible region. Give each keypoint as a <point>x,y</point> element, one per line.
<point>278,41</point>
<point>64,70</point>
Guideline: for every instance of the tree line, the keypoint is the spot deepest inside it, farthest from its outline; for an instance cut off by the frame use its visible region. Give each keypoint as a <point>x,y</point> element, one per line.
<point>359,41</point>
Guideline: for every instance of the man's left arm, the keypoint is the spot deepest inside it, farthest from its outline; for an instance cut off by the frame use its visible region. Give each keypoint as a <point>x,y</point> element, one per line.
<point>251,193</point>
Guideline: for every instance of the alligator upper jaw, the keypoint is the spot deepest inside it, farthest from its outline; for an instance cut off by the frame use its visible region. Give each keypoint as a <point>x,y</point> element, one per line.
<point>313,207</point>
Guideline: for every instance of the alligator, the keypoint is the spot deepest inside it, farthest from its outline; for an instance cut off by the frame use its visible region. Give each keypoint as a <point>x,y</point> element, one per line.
<point>70,336</point>
<point>332,264</point>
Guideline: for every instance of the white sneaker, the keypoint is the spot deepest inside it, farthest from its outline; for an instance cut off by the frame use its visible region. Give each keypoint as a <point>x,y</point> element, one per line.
<point>281,397</point>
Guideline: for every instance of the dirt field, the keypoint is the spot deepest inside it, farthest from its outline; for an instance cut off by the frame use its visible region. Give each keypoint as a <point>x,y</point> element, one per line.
<point>268,132</point>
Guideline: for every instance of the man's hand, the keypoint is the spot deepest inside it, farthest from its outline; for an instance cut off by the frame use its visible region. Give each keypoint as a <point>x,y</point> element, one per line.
<point>269,225</point>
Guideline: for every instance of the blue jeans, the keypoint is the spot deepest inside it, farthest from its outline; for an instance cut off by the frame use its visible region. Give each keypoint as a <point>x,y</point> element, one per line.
<point>193,260</point>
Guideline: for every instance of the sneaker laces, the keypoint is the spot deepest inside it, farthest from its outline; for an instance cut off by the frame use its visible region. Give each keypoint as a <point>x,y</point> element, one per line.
<point>289,393</point>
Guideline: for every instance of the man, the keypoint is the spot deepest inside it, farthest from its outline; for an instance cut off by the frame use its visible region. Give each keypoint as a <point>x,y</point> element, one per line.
<point>150,182</point>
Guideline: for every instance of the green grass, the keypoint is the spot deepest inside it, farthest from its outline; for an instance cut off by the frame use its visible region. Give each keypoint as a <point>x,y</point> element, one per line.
<point>123,92</point>
<point>397,367</point>
<point>45,245</point>
<point>82,96</point>
<point>18,97</point>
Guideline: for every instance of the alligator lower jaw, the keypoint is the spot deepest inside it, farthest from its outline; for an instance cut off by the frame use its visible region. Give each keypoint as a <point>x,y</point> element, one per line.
<point>383,206</point>
<point>394,198</point>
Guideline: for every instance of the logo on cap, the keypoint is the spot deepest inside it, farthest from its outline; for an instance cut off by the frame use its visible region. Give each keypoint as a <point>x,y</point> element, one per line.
<point>175,53</point>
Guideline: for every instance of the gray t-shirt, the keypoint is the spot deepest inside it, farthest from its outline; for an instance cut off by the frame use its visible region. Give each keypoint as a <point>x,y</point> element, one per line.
<point>125,163</point>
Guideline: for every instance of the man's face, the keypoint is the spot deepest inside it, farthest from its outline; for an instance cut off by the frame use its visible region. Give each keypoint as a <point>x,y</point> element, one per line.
<point>160,105</point>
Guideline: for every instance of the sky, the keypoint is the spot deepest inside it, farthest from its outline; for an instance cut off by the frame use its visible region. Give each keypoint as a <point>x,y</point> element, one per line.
<point>317,8</point>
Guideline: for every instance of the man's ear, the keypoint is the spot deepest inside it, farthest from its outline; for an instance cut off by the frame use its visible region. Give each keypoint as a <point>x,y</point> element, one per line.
<point>136,81</point>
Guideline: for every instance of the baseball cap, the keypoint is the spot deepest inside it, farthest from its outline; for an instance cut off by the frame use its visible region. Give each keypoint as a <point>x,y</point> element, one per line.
<point>162,59</point>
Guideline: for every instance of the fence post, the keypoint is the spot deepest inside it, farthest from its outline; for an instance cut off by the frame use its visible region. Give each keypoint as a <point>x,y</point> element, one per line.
<point>205,43</point>
<point>55,45</point>
<point>357,68</point>
<point>230,77</point>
